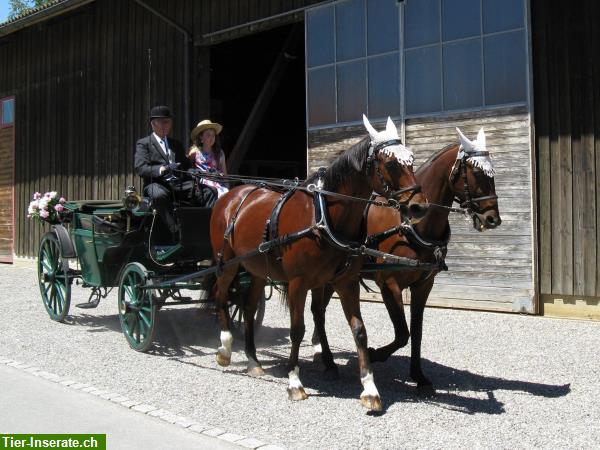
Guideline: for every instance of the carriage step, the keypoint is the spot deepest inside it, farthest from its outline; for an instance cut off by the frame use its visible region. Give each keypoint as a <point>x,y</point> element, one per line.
<point>89,305</point>
<point>163,253</point>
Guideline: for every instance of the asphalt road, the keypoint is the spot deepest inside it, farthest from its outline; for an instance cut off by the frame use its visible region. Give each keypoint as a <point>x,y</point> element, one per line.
<point>503,381</point>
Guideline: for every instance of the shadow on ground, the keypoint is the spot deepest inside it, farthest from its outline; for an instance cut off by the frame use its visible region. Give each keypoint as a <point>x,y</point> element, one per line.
<point>188,332</point>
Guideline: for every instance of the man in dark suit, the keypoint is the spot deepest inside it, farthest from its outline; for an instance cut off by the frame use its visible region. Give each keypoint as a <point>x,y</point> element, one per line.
<point>161,162</point>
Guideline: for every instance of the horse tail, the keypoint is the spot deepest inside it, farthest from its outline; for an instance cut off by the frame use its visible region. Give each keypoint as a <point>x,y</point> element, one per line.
<point>282,289</point>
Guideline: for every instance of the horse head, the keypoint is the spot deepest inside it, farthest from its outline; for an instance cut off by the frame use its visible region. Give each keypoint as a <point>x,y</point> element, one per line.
<point>391,164</point>
<point>472,180</point>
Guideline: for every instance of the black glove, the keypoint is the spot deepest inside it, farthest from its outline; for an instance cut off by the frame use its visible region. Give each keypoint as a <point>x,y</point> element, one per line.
<point>170,168</point>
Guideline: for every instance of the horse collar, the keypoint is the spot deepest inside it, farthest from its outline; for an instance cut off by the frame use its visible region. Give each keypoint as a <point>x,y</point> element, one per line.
<point>411,233</point>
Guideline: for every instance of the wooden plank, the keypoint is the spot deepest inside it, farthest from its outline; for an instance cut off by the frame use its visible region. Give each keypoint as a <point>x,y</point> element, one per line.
<point>6,194</point>
<point>584,183</point>
<point>491,270</point>
<point>587,308</point>
<point>595,50</point>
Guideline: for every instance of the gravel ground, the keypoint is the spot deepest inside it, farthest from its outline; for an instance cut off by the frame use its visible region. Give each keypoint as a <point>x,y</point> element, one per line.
<point>503,381</point>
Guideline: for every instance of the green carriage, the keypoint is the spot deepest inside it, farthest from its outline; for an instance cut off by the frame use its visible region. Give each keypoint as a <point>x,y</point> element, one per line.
<point>107,244</point>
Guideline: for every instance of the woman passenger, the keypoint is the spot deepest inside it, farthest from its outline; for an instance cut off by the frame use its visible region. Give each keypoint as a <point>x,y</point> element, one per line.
<point>206,153</point>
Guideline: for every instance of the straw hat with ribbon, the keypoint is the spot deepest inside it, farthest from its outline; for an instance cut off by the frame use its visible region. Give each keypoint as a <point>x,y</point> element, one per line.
<point>205,125</point>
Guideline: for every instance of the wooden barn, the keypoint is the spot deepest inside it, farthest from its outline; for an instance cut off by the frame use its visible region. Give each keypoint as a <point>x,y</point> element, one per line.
<point>290,79</point>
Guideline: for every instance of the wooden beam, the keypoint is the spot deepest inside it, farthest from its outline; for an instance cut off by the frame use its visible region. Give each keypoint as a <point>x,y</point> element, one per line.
<point>244,140</point>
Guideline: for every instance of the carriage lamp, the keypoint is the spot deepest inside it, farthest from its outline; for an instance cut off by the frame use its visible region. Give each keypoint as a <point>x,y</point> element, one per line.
<point>132,199</point>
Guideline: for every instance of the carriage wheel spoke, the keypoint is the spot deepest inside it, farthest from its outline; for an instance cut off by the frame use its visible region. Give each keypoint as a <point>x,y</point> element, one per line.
<point>129,322</point>
<point>50,252</point>
<point>60,298</point>
<point>131,282</point>
<point>142,325</point>
<point>128,294</point>
<point>45,265</point>
<point>146,321</point>
<point>53,298</point>
<point>136,329</point>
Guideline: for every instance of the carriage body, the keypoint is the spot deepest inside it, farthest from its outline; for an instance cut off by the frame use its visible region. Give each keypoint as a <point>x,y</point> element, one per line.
<point>109,244</point>
<point>107,236</point>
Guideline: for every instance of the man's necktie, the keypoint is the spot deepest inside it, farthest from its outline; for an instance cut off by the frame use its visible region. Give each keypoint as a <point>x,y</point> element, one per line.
<point>169,152</point>
<point>165,147</point>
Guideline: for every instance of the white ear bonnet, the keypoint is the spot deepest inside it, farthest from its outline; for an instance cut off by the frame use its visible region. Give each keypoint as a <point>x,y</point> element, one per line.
<point>403,154</point>
<point>485,163</point>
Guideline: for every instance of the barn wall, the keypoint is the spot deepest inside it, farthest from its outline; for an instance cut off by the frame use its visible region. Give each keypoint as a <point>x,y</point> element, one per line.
<point>566,50</point>
<point>6,193</point>
<point>491,270</point>
<point>82,88</point>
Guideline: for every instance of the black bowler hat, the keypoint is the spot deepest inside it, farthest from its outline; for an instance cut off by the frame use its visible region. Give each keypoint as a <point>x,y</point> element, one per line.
<point>159,112</point>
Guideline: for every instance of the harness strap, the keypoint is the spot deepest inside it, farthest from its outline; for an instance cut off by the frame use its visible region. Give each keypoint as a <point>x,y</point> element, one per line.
<point>272,224</point>
<point>374,240</point>
<point>416,239</point>
<point>229,229</point>
<point>394,259</point>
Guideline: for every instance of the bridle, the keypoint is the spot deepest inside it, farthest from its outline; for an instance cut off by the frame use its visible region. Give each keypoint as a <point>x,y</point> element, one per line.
<point>471,204</point>
<point>388,191</point>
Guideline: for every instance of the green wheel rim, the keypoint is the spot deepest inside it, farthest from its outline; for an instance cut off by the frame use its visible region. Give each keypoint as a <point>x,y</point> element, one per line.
<point>137,310</point>
<point>53,279</point>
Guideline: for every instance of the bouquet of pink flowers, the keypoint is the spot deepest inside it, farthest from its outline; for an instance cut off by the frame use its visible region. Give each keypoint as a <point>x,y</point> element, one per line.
<point>47,207</point>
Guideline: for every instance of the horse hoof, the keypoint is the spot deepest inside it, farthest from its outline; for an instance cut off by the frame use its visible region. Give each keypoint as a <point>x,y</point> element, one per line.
<point>256,371</point>
<point>223,360</point>
<point>297,394</point>
<point>331,374</point>
<point>371,402</point>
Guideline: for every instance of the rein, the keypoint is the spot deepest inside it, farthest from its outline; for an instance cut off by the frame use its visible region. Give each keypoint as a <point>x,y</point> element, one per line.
<point>311,188</point>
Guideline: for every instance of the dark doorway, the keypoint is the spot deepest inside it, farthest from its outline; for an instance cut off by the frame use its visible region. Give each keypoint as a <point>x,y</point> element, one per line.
<point>239,71</point>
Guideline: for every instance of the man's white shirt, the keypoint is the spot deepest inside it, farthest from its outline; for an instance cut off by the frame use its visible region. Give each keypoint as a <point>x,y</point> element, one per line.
<point>163,145</point>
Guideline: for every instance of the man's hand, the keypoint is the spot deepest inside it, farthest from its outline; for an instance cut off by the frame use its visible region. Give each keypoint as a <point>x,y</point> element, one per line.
<point>165,170</point>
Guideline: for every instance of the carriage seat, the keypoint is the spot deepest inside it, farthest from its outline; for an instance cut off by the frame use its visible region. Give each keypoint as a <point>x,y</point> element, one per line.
<point>99,207</point>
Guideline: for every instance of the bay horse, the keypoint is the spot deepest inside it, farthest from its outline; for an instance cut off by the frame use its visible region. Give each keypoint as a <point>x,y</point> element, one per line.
<point>463,172</point>
<point>243,218</point>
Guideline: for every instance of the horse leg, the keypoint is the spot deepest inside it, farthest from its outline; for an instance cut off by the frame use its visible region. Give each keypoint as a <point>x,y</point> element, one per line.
<point>257,287</point>
<point>419,295</point>
<point>296,302</point>
<point>221,297</point>
<point>392,298</point>
<point>320,300</point>
<point>349,295</point>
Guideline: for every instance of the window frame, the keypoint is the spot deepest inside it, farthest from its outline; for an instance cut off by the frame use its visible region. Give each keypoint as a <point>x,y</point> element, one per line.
<point>484,107</point>
<point>2,101</point>
<point>403,116</point>
<point>398,52</point>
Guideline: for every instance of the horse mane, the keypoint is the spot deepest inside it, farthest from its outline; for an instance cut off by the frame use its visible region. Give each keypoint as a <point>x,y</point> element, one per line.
<point>345,165</point>
<point>433,157</point>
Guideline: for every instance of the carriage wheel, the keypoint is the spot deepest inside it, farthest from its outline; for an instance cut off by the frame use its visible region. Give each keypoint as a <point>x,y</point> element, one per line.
<point>53,278</point>
<point>137,310</point>
<point>236,312</point>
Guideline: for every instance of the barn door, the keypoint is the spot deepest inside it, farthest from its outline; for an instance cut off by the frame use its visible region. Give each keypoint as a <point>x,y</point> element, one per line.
<point>7,168</point>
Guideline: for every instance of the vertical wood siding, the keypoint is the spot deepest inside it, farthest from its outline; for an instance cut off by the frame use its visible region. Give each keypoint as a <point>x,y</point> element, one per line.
<point>83,89</point>
<point>6,194</point>
<point>490,270</point>
<point>566,52</point>
<point>81,85</point>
